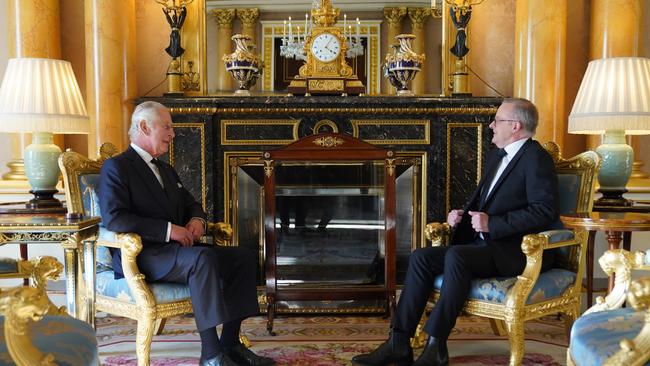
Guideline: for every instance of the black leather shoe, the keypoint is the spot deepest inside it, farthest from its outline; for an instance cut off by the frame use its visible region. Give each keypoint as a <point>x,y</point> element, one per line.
<point>434,354</point>
<point>219,360</point>
<point>243,356</point>
<point>396,350</point>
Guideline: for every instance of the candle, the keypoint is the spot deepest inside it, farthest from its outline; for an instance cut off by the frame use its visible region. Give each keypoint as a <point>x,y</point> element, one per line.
<point>358,26</point>
<point>284,30</point>
<point>345,19</point>
<point>306,24</point>
<point>290,31</point>
<point>298,33</point>
<point>350,32</point>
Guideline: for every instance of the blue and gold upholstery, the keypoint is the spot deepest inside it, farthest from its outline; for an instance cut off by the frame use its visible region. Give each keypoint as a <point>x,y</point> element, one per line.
<point>607,333</point>
<point>131,297</point>
<point>509,302</point>
<point>36,332</point>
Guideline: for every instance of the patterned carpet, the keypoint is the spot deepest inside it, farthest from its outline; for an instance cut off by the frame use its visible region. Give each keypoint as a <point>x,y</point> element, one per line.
<point>329,340</point>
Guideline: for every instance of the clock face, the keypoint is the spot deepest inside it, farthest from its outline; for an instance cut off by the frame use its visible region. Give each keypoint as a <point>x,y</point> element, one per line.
<point>326,47</point>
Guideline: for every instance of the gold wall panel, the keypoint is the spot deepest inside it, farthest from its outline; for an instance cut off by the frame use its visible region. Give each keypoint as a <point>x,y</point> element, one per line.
<point>193,41</point>
<point>358,124</point>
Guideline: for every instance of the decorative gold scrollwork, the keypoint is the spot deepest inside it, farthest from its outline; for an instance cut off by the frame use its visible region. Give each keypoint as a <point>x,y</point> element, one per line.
<point>268,167</point>
<point>390,163</point>
<point>328,141</point>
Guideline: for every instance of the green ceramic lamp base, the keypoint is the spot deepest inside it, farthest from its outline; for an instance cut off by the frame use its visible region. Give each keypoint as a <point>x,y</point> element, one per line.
<point>42,170</point>
<point>615,170</point>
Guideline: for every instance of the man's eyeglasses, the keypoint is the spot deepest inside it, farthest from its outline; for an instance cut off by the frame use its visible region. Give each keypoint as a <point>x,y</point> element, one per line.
<point>495,121</point>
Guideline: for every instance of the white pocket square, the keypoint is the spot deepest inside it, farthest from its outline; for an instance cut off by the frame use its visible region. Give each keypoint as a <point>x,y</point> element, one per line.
<point>179,185</point>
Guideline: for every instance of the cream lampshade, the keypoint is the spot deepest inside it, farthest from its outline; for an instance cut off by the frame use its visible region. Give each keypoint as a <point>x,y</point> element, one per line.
<point>614,99</point>
<point>41,96</point>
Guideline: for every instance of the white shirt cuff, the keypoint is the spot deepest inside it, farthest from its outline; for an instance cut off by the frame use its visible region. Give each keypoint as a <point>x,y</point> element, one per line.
<point>169,232</point>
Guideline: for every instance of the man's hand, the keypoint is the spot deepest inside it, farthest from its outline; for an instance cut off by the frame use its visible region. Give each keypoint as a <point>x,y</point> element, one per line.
<point>195,226</point>
<point>480,221</point>
<point>454,217</point>
<point>182,235</point>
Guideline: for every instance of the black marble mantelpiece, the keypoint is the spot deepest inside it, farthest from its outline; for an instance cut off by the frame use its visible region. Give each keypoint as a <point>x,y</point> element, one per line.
<point>453,132</point>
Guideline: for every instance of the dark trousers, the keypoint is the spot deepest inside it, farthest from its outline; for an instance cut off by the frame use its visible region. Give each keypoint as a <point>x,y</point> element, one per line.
<point>459,264</point>
<point>221,281</point>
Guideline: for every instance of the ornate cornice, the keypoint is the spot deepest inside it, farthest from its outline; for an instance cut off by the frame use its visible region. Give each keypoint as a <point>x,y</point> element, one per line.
<point>224,17</point>
<point>394,16</point>
<point>248,17</point>
<point>419,16</point>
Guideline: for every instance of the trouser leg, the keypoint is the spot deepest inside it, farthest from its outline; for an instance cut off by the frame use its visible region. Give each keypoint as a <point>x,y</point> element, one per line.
<point>424,265</point>
<point>462,263</point>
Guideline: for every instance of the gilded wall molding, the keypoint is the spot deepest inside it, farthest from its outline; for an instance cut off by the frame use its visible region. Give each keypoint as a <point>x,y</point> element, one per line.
<point>293,123</point>
<point>224,17</point>
<point>248,17</point>
<point>394,16</point>
<point>424,140</point>
<point>479,157</point>
<point>419,17</point>
<point>201,128</point>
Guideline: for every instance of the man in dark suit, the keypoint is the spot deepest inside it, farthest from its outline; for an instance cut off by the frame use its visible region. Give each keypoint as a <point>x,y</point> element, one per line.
<point>140,194</point>
<point>518,195</point>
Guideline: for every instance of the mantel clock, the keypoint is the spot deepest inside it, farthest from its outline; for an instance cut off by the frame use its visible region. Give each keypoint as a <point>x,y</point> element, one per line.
<point>325,71</point>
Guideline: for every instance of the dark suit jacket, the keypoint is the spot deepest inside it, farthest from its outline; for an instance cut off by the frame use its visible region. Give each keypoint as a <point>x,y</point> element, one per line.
<point>132,200</point>
<point>524,200</point>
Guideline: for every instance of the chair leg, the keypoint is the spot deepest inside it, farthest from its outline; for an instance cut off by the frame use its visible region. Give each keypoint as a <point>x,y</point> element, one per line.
<point>498,327</point>
<point>516,338</point>
<point>143,339</point>
<point>159,325</point>
<point>570,316</point>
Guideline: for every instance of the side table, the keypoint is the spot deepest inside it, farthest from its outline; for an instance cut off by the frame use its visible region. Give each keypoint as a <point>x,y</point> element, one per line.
<point>614,224</point>
<point>20,208</point>
<point>77,237</point>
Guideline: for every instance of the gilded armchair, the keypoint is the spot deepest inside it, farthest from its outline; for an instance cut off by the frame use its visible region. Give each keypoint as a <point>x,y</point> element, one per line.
<point>35,331</point>
<point>131,297</point>
<point>510,301</point>
<point>607,333</point>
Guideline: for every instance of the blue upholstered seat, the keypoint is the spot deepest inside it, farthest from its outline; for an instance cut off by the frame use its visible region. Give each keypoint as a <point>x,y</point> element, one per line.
<point>550,284</point>
<point>71,341</point>
<point>596,336</point>
<point>8,265</point>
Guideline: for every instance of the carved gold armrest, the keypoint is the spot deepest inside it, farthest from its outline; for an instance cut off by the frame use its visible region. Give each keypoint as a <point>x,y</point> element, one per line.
<point>438,233</point>
<point>22,306</point>
<point>131,246</point>
<point>533,246</point>
<point>619,263</point>
<point>41,270</point>
<point>221,232</point>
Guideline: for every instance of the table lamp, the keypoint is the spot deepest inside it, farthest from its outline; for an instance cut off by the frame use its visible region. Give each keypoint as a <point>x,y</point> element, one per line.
<point>614,99</point>
<point>41,96</point>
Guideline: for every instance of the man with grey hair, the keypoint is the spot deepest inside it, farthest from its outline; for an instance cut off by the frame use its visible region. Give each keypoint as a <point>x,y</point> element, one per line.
<point>140,194</point>
<point>517,195</point>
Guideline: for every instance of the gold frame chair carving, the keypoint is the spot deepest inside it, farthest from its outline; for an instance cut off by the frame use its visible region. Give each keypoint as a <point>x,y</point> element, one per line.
<point>621,264</point>
<point>508,317</point>
<point>150,316</point>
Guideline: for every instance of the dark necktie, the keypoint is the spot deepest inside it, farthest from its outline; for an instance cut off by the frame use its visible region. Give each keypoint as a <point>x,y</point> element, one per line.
<point>490,176</point>
<point>163,176</point>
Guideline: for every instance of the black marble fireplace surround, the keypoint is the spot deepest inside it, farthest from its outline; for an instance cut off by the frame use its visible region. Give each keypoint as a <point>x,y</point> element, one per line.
<point>453,132</point>
<point>449,137</point>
